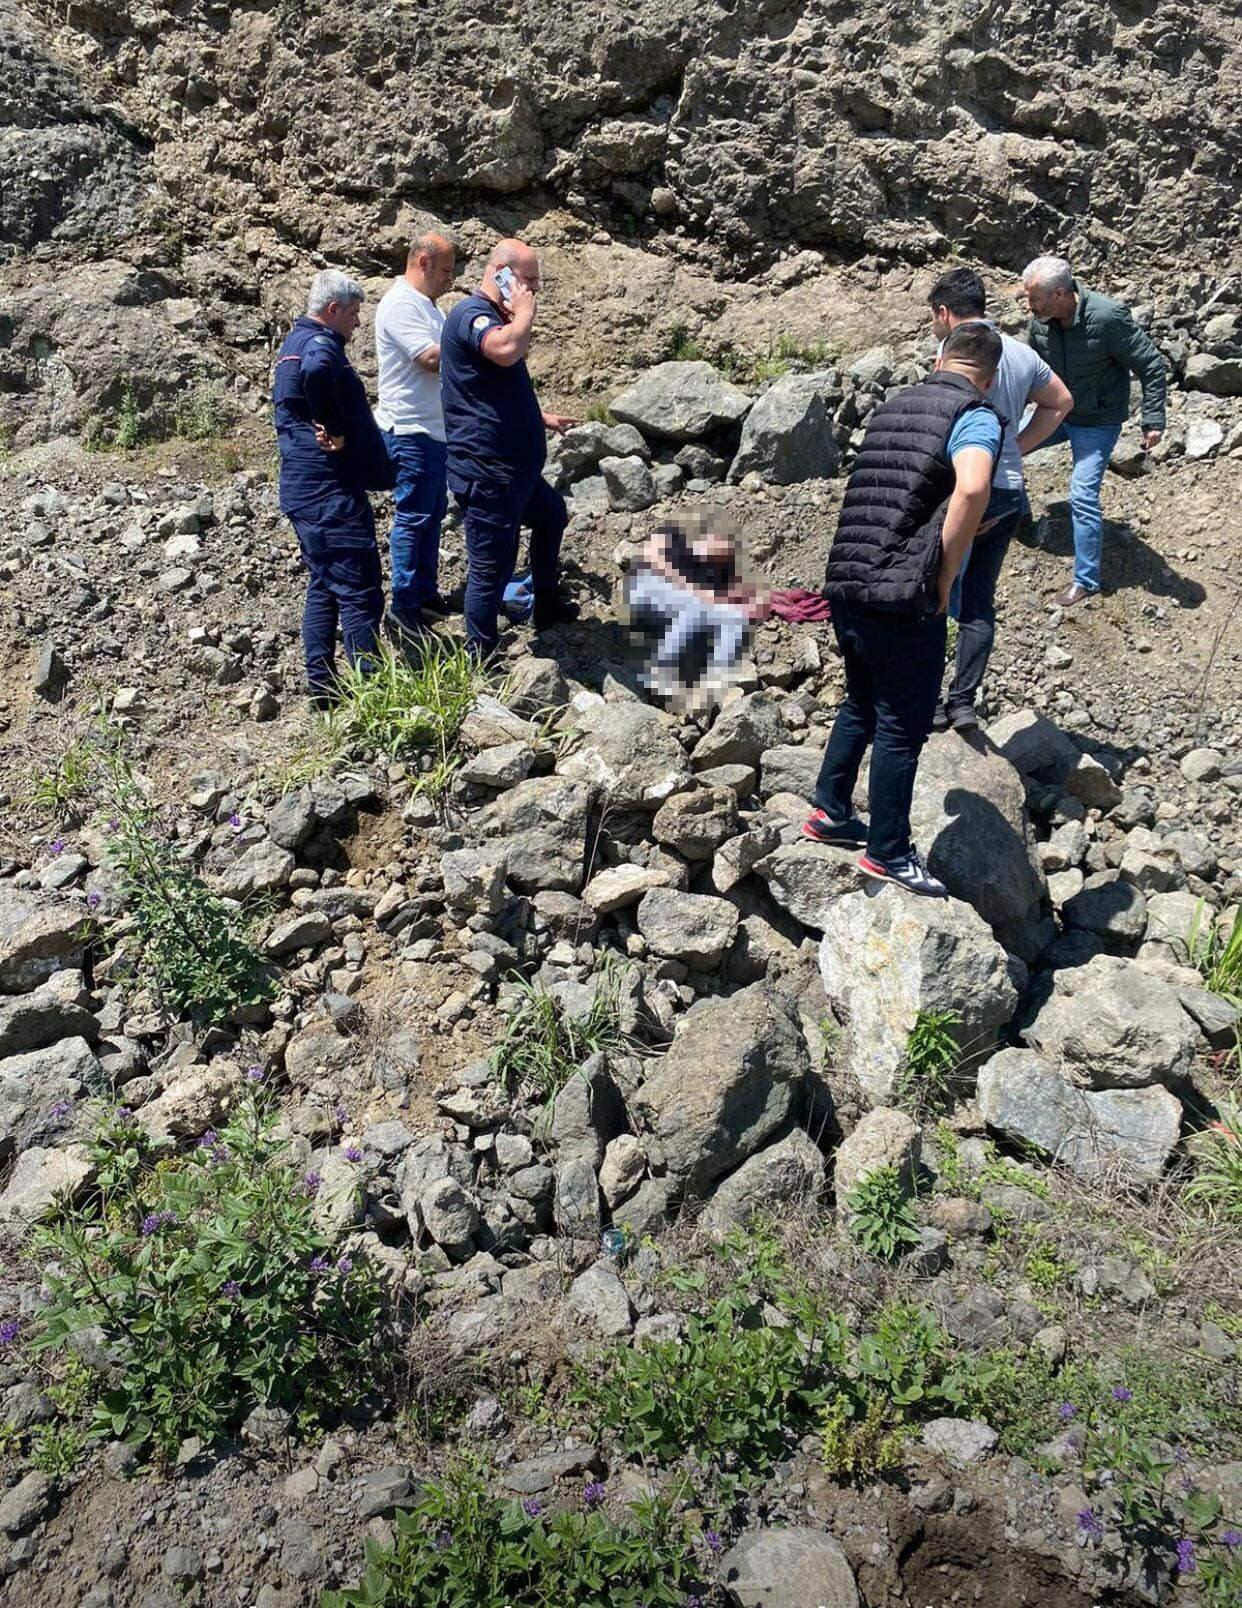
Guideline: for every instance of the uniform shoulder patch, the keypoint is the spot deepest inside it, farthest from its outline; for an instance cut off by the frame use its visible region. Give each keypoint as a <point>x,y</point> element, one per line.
<point>481,322</point>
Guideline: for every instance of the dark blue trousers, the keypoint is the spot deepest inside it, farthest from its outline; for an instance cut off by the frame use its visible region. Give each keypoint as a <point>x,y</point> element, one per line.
<point>973,603</point>
<point>893,666</point>
<point>345,587</point>
<point>494,512</point>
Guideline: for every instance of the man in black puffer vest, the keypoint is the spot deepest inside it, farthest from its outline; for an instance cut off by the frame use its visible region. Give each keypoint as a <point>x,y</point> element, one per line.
<point>915,497</point>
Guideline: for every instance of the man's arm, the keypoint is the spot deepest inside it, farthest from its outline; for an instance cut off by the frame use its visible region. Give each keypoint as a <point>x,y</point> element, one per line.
<point>429,359</point>
<point>973,468</point>
<point>1053,403</point>
<point>510,344</point>
<point>323,397</point>
<point>1134,347</point>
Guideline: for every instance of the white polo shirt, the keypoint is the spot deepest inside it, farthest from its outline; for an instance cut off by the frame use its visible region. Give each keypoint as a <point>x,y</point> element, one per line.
<point>406,324</point>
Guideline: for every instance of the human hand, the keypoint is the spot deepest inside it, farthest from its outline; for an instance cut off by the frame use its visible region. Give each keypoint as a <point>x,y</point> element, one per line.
<point>558,423</point>
<point>328,443</point>
<point>759,608</point>
<point>521,299</point>
<point>1150,438</point>
<point>944,590</point>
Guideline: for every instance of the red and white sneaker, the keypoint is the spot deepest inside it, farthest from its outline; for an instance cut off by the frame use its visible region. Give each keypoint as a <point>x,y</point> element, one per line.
<point>851,834</point>
<point>909,872</point>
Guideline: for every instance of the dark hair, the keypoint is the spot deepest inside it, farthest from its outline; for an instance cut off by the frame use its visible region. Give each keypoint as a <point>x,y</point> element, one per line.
<point>976,345</point>
<point>961,291</point>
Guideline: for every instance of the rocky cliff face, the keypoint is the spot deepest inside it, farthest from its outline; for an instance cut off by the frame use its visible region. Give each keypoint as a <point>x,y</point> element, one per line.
<point>219,151</point>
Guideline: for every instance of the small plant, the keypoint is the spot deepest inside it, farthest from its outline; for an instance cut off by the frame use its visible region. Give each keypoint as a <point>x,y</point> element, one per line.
<point>542,1045</point>
<point>1217,1183</point>
<point>599,413</point>
<point>127,433</point>
<point>58,791</point>
<point>461,1548</point>
<point>210,1286</point>
<point>56,1449</point>
<point>192,947</point>
<point>407,703</point>
<point>203,415</point>
<point>679,347</point>
<point>1217,956</point>
<point>925,1083</point>
<point>952,629</point>
<point>1044,1267</point>
<point>881,1217</point>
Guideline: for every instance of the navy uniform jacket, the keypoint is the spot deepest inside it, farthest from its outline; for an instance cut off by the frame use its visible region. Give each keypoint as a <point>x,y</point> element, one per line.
<point>324,493</point>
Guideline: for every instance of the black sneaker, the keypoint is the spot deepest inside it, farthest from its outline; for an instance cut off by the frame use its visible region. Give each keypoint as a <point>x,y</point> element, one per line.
<point>940,720</point>
<point>909,873</point>
<point>556,610</point>
<point>963,718</point>
<point>851,834</point>
<point>437,607</point>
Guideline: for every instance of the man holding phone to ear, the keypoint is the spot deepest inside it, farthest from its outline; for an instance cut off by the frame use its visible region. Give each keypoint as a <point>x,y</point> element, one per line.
<point>497,445</point>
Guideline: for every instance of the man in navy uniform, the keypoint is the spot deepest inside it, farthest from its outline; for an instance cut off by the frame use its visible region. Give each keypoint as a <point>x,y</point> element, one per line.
<point>497,445</point>
<point>331,455</point>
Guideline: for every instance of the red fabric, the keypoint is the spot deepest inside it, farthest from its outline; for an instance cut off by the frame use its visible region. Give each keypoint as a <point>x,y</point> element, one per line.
<point>799,606</point>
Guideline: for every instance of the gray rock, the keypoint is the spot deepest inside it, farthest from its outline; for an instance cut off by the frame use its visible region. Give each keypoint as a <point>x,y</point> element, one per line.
<point>1034,746</point>
<point>649,1209</point>
<point>790,1568</point>
<point>884,1137</point>
<point>790,1172</point>
<point>1111,1024</point>
<point>621,886</point>
<point>542,1473</point>
<point>742,733</point>
<point>1203,436</point>
<point>599,1296</point>
<point>625,1162</point>
<point>474,879</point>
<point>728,1082</point>
<point>885,957</point>
<point>195,1100</point>
<point>39,935</point>
<point>34,1085</point>
<point>808,878</point>
<point>735,859</point>
<point>875,367</point>
<point>41,1018</point>
<point>586,1114</point>
<point>536,687</point>
<point>580,451</point>
<point>630,753</point>
<point>1093,783</point>
<point>263,867</point>
<point>22,1506</point>
<point>382,1491</point>
<point>1022,1097</point>
<point>790,768</point>
<point>305,930</point>
<point>40,1177</point>
<point>51,675</point>
<point>1109,907</point>
<point>962,1441</point>
<point>1171,918</point>
<point>1220,376</point>
<point>694,928</point>
<point>577,1200</point>
<point>696,824</point>
<point>787,436</point>
<point>182,1564</point>
<point>630,484</point>
<point>680,402</point>
<point>292,819</point>
<point>451,1216</point>
<point>503,766</point>
<point>1202,765</point>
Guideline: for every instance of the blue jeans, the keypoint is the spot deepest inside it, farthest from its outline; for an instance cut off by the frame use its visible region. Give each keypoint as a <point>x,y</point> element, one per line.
<point>1092,446</point>
<point>420,500</point>
<point>893,665</point>
<point>494,512</point>
<point>973,601</point>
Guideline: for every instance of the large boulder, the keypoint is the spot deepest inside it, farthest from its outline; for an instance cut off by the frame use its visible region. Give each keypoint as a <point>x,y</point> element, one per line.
<point>742,733</point>
<point>40,1178</point>
<point>790,1568</point>
<point>695,928</point>
<point>808,878</point>
<point>885,957</point>
<point>630,753</point>
<point>40,1018</point>
<point>680,402</point>
<point>969,819</point>
<point>543,825</point>
<point>580,451</point>
<point>1221,376</point>
<point>1112,1024</point>
<point>37,1091</point>
<point>1025,1098</point>
<point>884,1137</point>
<point>1034,746</point>
<point>788,435</point>
<point>729,1081</point>
<point>39,935</point>
<point>791,768</point>
<point>784,1174</point>
<point>696,824</point>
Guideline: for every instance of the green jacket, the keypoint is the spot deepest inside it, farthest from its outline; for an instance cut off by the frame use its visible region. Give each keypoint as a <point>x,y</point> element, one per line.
<point>1095,357</point>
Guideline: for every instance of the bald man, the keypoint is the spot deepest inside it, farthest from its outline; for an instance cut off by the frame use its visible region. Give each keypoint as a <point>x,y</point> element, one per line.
<point>497,445</point>
<point>408,326</point>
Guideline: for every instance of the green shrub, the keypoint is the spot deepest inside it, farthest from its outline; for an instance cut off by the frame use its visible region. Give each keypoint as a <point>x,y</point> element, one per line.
<point>599,413</point>
<point>403,703</point>
<point>881,1217</point>
<point>680,347</point>
<point>925,1083</point>
<point>203,414</point>
<point>461,1548</point>
<point>127,433</point>
<point>1217,1183</point>
<point>210,1287</point>
<point>190,946</point>
<point>59,790</point>
<point>542,1045</point>
<point>1217,956</point>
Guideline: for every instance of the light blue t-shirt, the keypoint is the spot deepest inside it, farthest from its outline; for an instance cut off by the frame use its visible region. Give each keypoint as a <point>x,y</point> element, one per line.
<point>1020,372</point>
<point>977,428</point>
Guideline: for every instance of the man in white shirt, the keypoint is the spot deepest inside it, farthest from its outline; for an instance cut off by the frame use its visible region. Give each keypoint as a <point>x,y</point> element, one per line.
<point>1022,379</point>
<point>407,346</point>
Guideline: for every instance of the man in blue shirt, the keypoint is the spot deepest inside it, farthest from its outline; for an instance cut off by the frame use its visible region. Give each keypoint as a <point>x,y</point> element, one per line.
<point>331,455</point>
<point>497,448</point>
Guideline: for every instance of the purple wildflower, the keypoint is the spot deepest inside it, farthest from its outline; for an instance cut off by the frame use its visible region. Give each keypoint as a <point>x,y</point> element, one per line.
<point>154,1221</point>
<point>593,1494</point>
<point>341,1115</point>
<point>56,846</point>
<point>235,820</point>
<point>1089,1525</point>
<point>208,1140</point>
<point>93,900</point>
<point>1120,1393</point>
<point>714,1543</point>
<point>532,1507</point>
<point>9,1331</point>
<point>319,1264</point>
<point>1186,1556</point>
<point>352,1153</point>
<point>312,1182</point>
<point>123,1113</point>
<point>255,1074</point>
<point>60,1109</point>
<point>1232,1538</point>
<point>231,1291</point>
<point>345,1266</point>
<point>444,1540</point>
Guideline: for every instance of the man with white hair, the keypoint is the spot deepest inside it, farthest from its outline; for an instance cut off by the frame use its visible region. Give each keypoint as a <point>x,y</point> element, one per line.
<point>497,445</point>
<point>1093,345</point>
<point>331,455</point>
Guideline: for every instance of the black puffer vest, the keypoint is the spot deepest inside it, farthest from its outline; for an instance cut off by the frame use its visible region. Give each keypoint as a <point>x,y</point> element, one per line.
<point>886,554</point>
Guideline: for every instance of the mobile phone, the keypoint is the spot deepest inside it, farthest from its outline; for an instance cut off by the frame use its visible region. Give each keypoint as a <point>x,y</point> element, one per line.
<point>504,284</point>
